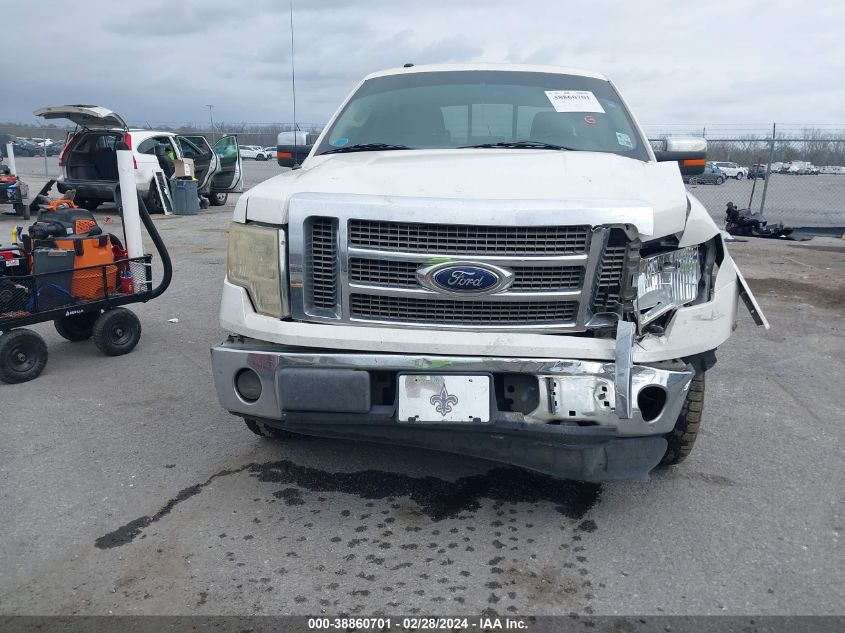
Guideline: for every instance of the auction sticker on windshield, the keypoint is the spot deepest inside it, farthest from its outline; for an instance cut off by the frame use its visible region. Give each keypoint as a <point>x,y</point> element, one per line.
<point>574,101</point>
<point>429,398</point>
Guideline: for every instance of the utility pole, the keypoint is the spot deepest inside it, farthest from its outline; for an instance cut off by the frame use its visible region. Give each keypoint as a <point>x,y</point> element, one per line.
<point>768,169</point>
<point>211,118</point>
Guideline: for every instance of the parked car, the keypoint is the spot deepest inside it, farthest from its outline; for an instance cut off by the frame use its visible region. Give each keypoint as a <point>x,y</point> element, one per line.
<point>757,171</point>
<point>55,148</point>
<point>839,170</point>
<point>391,290</point>
<point>800,168</point>
<point>44,145</point>
<point>732,170</point>
<point>21,146</point>
<point>256,152</point>
<point>88,160</point>
<point>712,175</point>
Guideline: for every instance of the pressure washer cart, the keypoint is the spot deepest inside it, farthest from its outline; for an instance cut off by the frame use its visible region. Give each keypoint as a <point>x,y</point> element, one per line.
<point>13,192</point>
<point>67,270</point>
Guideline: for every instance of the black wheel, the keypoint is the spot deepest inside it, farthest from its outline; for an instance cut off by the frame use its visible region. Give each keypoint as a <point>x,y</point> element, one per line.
<point>88,203</point>
<point>78,327</point>
<point>153,201</point>
<point>682,438</point>
<point>23,356</point>
<point>21,210</point>
<point>116,332</point>
<point>739,175</point>
<point>260,428</point>
<point>260,157</point>
<point>720,180</point>
<point>217,199</point>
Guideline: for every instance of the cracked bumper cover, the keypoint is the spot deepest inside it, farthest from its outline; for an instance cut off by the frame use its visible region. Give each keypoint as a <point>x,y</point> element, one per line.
<point>326,393</point>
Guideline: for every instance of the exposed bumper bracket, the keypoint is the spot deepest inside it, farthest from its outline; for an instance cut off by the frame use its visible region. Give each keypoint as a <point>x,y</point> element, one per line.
<point>624,362</point>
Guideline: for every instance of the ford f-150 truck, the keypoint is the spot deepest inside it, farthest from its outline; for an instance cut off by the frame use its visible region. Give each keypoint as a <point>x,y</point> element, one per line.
<point>489,260</point>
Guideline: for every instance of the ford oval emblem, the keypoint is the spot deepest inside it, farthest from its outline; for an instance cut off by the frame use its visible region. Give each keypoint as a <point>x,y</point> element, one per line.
<point>465,278</point>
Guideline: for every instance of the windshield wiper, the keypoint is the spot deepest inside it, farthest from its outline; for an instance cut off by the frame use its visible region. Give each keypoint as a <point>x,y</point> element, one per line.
<point>519,145</point>
<point>365,147</point>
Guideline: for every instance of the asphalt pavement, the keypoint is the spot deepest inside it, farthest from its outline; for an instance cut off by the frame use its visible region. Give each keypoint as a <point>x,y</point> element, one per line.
<point>127,490</point>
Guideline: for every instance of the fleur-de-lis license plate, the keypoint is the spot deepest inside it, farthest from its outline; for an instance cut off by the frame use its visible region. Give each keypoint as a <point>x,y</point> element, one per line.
<point>432,398</point>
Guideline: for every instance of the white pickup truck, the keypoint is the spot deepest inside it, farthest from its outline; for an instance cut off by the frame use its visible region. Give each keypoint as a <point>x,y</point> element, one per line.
<point>488,260</point>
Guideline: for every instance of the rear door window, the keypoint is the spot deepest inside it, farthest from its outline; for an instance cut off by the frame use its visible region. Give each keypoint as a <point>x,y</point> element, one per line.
<point>149,146</point>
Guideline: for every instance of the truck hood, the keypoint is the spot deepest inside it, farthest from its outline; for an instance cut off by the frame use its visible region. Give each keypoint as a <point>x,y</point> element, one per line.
<point>481,174</point>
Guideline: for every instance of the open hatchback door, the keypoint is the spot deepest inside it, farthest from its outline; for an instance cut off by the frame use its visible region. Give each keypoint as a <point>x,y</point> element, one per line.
<point>85,116</point>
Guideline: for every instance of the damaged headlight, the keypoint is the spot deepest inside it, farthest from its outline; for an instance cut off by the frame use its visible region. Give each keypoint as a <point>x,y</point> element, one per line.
<point>254,263</point>
<point>666,281</point>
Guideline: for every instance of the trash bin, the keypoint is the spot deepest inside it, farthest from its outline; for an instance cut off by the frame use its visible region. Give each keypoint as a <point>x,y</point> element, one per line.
<point>185,197</point>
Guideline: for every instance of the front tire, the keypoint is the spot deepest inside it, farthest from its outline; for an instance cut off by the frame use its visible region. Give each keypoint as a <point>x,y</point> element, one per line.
<point>720,180</point>
<point>116,332</point>
<point>740,175</point>
<point>23,356</point>
<point>79,327</point>
<point>217,199</point>
<point>682,438</point>
<point>260,428</point>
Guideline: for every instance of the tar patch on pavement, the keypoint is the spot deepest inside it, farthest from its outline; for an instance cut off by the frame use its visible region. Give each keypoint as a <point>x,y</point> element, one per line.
<point>437,498</point>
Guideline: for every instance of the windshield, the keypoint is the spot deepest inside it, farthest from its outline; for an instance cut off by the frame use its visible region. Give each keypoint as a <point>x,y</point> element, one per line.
<point>458,109</point>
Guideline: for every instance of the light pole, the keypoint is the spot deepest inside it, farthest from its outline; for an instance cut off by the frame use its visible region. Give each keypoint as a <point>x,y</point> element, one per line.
<point>211,118</point>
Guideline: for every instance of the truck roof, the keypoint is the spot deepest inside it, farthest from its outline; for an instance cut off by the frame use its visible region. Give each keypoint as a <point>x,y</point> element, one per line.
<point>525,68</point>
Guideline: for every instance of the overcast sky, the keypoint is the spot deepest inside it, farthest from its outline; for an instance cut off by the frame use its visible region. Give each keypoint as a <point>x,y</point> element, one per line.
<point>746,61</point>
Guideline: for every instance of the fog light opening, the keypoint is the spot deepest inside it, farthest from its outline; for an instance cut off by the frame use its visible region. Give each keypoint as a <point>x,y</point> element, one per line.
<point>248,385</point>
<point>651,401</point>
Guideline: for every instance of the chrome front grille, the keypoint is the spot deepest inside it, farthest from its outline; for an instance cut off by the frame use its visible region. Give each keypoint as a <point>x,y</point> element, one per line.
<point>466,239</point>
<point>322,289</point>
<point>402,274</point>
<point>609,278</point>
<point>349,265</point>
<point>452,312</point>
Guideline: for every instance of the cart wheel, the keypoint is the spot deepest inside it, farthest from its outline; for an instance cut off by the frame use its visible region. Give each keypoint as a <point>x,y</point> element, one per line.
<point>21,210</point>
<point>23,355</point>
<point>78,327</point>
<point>116,332</point>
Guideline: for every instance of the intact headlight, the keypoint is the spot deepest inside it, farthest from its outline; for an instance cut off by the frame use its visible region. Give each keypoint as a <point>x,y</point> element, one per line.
<point>254,263</point>
<point>667,281</point>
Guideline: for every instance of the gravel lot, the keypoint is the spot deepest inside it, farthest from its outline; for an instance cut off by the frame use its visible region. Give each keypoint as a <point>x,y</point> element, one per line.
<point>127,489</point>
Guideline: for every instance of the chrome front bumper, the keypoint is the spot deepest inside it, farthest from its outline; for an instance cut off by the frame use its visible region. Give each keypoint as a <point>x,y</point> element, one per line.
<point>577,429</point>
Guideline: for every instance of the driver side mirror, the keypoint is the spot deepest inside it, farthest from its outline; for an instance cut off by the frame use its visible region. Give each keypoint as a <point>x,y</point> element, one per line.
<point>689,152</point>
<point>292,155</point>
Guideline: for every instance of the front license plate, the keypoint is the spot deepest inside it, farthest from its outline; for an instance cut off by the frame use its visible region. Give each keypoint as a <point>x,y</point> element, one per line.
<point>432,398</point>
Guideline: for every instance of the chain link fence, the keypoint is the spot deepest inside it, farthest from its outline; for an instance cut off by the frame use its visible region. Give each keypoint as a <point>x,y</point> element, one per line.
<point>801,182</point>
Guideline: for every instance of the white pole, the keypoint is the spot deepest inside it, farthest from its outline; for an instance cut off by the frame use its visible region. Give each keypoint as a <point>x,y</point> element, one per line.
<point>129,201</point>
<point>10,154</point>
